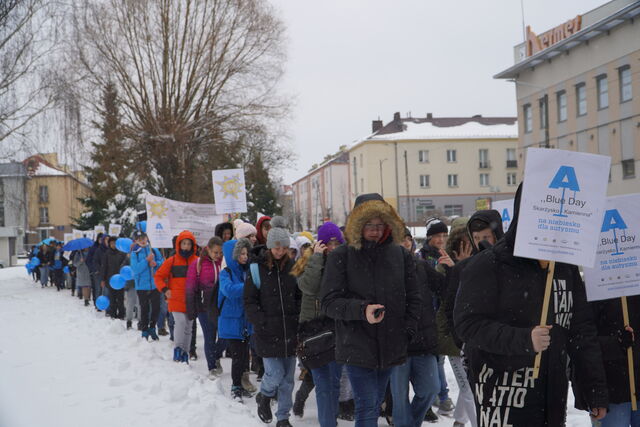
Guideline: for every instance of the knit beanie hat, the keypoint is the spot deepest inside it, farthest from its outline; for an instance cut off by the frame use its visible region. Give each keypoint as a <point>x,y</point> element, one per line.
<point>307,235</point>
<point>328,231</point>
<point>302,240</point>
<point>435,226</point>
<point>244,229</point>
<point>278,235</point>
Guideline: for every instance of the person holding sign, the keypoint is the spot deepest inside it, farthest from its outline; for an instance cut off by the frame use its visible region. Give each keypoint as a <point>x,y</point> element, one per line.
<point>497,313</point>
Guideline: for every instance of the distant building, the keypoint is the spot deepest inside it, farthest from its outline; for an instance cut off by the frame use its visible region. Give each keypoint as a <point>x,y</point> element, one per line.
<point>323,194</point>
<point>578,88</point>
<point>435,166</point>
<point>53,193</point>
<point>13,212</point>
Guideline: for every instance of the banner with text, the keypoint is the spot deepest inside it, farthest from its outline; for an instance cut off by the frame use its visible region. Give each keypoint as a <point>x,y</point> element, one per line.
<point>229,191</point>
<point>563,199</point>
<point>505,207</point>
<point>617,270</point>
<point>167,218</point>
<point>99,229</point>
<point>115,229</point>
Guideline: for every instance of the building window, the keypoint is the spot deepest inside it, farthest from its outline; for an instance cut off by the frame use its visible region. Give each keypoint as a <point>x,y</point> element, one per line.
<point>603,91</point>
<point>528,118</point>
<point>562,105</point>
<point>423,156</point>
<point>484,180</point>
<point>451,156</point>
<point>581,99</point>
<point>44,194</point>
<point>484,158</point>
<point>44,215</point>
<point>44,234</point>
<point>452,179</point>
<point>625,83</point>
<point>512,162</point>
<point>628,169</point>
<point>424,181</point>
<point>451,210</point>
<point>511,178</point>
<point>543,112</point>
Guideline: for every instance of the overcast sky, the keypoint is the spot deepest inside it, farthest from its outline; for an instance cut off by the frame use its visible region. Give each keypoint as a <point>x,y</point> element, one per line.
<point>352,61</point>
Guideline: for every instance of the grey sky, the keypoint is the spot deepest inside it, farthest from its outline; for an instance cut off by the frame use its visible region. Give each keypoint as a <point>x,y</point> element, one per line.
<point>352,61</point>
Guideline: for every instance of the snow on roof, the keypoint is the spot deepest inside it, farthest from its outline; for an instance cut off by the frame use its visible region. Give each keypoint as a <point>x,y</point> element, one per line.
<point>44,170</point>
<point>469,130</point>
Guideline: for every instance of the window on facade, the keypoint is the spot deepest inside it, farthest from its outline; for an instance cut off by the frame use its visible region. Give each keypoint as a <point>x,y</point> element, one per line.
<point>528,118</point>
<point>450,210</point>
<point>423,211</point>
<point>451,156</point>
<point>44,194</point>
<point>512,162</point>
<point>484,158</point>
<point>424,181</point>
<point>452,179</point>
<point>581,99</point>
<point>543,113</point>
<point>625,83</point>
<point>423,156</point>
<point>561,98</point>
<point>628,169</point>
<point>511,178</point>
<point>484,180</point>
<point>44,215</point>
<point>603,91</point>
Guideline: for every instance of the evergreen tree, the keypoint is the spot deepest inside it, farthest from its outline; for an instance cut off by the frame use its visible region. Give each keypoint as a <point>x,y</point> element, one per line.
<point>261,193</point>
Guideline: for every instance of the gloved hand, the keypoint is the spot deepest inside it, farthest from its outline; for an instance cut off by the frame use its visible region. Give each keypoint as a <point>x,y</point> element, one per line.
<point>625,338</point>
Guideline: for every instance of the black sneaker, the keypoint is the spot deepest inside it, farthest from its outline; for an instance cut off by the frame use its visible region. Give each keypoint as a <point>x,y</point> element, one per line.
<point>128,324</point>
<point>283,423</point>
<point>346,411</point>
<point>430,416</point>
<point>264,408</point>
<point>193,355</point>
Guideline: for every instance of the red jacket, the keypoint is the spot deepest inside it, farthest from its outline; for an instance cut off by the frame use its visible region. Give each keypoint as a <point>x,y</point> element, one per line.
<point>172,275</point>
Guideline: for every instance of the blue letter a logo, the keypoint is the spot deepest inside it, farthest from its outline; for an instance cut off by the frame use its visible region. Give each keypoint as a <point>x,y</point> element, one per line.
<point>505,215</point>
<point>613,220</point>
<point>565,178</point>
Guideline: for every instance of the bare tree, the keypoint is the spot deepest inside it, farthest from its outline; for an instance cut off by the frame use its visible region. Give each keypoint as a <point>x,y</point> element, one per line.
<point>197,81</point>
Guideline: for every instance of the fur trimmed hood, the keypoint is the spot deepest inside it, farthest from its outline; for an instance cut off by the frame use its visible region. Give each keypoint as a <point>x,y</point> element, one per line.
<point>368,206</point>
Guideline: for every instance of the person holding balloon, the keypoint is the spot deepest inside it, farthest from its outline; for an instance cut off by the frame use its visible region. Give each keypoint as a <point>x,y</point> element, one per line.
<point>145,262</point>
<point>111,264</point>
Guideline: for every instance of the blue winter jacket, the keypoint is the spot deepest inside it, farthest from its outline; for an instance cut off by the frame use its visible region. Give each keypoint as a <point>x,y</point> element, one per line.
<point>60,262</point>
<point>142,272</point>
<point>232,323</point>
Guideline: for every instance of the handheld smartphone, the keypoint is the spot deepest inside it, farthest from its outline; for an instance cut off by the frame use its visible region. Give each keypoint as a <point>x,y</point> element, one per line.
<point>378,312</point>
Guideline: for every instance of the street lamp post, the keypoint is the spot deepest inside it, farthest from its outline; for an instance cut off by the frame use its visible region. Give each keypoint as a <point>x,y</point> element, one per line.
<point>381,182</point>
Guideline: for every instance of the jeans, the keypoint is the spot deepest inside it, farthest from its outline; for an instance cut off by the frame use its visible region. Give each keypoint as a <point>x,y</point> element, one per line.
<point>327,382</point>
<point>278,377</point>
<point>149,308</point>
<point>422,372</point>
<point>44,275</point>
<point>465,411</point>
<point>209,331</point>
<point>164,314</point>
<point>443,394</point>
<point>131,301</point>
<point>620,415</point>
<point>239,352</point>
<point>182,337</point>
<point>369,387</point>
<point>116,302</point>
<point>95,286</point>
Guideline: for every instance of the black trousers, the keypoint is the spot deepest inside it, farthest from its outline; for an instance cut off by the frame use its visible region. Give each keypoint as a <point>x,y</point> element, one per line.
<point>116,305</point>
<point>149,308</point>
<point>58,278</point>
<point>239,352</point>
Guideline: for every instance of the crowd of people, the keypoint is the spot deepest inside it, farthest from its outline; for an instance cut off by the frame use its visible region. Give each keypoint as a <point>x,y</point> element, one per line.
<point>370,318</point>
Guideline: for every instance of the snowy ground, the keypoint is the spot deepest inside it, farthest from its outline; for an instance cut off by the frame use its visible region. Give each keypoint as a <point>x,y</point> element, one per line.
<point>62,364</point>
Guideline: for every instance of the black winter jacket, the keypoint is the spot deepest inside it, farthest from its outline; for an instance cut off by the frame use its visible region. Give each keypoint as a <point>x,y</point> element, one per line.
<point>112,261</point>
<point>425,340</point>
<point>273,310</point>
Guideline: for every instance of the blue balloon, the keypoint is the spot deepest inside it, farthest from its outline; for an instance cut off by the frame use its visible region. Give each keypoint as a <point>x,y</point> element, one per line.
<point>102,302</point>
<point>123,244</point>
<point>66,269</point>
<point>117,281</point>
<point>126,272</point>
<point>142,226</point>
<point>35,261</point>
<point>29,267</point>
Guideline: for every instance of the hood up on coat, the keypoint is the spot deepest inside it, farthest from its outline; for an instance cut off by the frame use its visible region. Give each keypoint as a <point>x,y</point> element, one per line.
<point>220,228</point>
<point>367,207</point>
<point>492,219</point>
<point>261,239</point>
<point>231,251</point>
<point>184,235</point>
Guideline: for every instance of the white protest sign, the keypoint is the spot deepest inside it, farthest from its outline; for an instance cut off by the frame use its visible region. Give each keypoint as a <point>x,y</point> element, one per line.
<point>617,269</point>
<point>99,229</point>
<point>505,207</point>
<point>90,234</point>
<point>115,229</point>
<point>77,234</point>
<point>167,218</point>
<point>68,237</point>
<point>561,208</point>
<point>229,191</point>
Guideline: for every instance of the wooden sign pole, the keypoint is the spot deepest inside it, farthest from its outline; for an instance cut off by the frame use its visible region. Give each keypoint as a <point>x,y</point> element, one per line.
<point>545,312</point>
<point>632,379</point>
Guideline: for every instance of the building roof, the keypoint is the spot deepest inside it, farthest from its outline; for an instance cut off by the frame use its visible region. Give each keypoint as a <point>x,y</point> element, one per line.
<point>12,169</point>
<point>604,25</point>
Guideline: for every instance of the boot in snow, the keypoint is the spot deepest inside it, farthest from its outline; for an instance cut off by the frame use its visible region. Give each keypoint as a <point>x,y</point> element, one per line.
<point>128,324</point>
<point>177,353</point>
<point>430,416</point>
<point>145,335</point>
<point>193,355</point>
<point>347,410</point>
<point>184,357</point>
<point>264,408</point>
<point>151,332</point>
<point>246,382</point>
<point>283,423</point>
<point>236,394</point>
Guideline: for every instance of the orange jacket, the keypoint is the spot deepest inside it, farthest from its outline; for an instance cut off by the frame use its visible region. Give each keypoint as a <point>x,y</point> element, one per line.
<point>172,275</point>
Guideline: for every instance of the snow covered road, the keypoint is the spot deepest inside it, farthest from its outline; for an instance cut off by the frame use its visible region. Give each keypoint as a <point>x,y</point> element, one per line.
<point>63,364</point>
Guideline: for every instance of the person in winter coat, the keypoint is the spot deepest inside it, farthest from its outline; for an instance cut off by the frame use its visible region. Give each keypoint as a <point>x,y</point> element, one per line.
<point>369,289</point>
<point>45,256</point>
<point>93,268</point>
<point>224,231</point>
<point>111,264</point>
<point>263,226</point>
<point>317,332</point>
<point>421,367</point>
<point>244,230</point>
<point>233,325</point>
<point>58,263</point>
<point>202,297</point>
<point>272,305</point>
<point>145,262</point>
<point>171,279</point>
<point>83,275</point>
<point>433,248</point>
<point>496,314</point>
<point>615,338</point>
